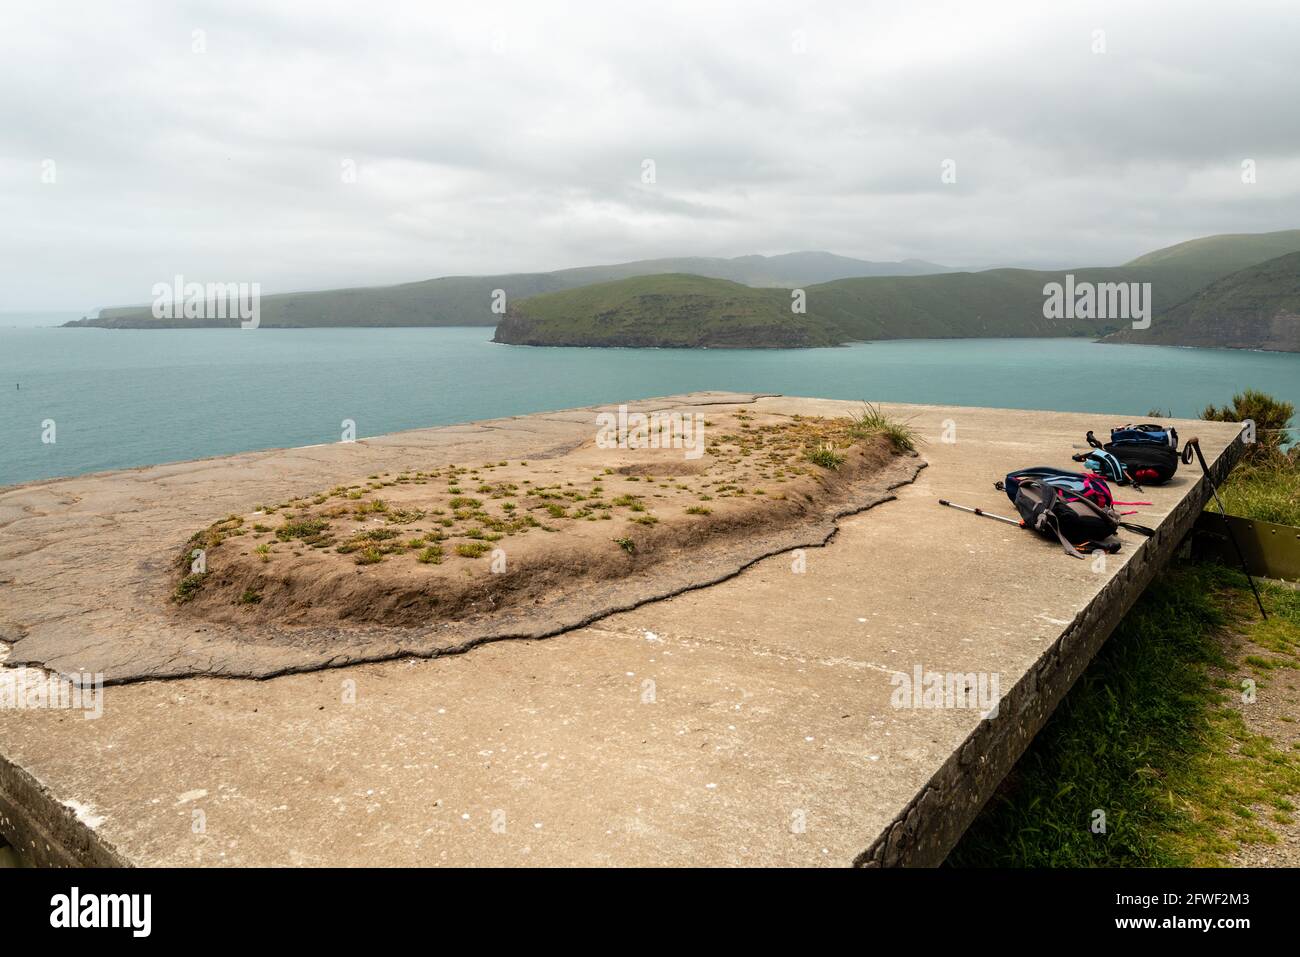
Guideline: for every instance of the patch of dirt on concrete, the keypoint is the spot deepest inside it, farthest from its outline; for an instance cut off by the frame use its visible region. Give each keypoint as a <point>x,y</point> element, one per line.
<point>464,553</point>
<point>96,583</point>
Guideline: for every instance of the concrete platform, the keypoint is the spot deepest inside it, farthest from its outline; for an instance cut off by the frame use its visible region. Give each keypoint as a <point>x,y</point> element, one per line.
<point>751,722</point>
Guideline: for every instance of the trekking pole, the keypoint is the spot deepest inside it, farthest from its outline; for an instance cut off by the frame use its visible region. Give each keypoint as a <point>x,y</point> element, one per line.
<point>982,513</point>
<point>1195,443</point>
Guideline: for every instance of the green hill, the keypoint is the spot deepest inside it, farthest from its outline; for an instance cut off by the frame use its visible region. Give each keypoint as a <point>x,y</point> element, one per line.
<point>670,311</point>
<point>1253,308</point>
<point>467,300</point>
<point>1227,252</point>
<point>1009,302</point>
<point>989,304</point>
<point>996,303</point>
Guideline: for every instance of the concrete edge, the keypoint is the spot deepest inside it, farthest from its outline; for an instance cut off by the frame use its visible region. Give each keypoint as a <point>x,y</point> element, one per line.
<point>924,832</point>
<point>45,832</point>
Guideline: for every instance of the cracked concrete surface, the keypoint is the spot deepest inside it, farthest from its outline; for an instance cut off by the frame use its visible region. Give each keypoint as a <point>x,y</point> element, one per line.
<point>749,722</point>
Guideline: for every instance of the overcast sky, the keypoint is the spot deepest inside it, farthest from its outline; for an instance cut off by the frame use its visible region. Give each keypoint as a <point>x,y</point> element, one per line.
<point>492,137</point>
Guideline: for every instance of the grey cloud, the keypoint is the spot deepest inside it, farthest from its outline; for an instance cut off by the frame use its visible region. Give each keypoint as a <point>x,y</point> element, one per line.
<point>510,138</point>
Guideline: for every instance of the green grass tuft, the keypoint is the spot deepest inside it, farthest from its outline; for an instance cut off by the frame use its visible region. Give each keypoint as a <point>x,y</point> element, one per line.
<point>188,587</point>
<point>826,455</point>
<point>872,421</point>
<point>308,530</point>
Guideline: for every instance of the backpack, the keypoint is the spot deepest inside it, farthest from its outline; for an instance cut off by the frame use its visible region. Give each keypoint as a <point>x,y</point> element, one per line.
<point>1107,466</point>
<point>1089,486</point>
<point>1148,433</point>
<point>1077,523</point>
<point>1147,453</point>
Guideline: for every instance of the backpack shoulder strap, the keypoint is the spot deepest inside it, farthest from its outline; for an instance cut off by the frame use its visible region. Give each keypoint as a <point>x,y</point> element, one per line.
<point>1140,529</point>
<point>1045,519</point>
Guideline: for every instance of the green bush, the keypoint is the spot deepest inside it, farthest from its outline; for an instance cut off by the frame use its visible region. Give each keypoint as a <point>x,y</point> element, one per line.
<point>1266,486</point>
<point>1271,416</point>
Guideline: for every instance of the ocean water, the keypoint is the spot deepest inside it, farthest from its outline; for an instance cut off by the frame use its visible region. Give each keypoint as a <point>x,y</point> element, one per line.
<point>121,398</point>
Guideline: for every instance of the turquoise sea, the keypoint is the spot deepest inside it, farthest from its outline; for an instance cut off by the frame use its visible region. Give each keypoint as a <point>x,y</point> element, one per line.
<point>121,398</point>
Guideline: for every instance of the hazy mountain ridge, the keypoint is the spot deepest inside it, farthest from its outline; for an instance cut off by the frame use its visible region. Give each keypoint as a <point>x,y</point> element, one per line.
<point>745,301</point>
<point>990,304</point>
<point>467,300</point>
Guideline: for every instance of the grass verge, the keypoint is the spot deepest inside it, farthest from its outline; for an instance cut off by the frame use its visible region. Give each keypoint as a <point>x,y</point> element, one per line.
<point>1268,492</point>
<point>1152,737</point>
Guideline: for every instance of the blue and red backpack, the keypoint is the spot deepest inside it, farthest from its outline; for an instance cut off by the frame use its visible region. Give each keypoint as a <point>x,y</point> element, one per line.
<point>1136,454</point>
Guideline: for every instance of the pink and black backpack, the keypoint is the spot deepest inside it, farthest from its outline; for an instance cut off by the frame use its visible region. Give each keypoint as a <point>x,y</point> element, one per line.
<point>1079,484</point>
<point>1072,507</point>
